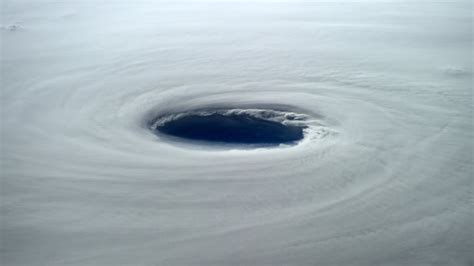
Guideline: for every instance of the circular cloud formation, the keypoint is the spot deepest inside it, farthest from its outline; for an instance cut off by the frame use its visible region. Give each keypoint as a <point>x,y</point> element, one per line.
<point>382,174</point>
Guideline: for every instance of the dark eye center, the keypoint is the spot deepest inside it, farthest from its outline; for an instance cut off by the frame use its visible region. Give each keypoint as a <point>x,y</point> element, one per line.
<point>236,128</point>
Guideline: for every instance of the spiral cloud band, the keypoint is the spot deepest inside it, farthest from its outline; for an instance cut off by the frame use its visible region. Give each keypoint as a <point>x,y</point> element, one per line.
<point>382,176</point>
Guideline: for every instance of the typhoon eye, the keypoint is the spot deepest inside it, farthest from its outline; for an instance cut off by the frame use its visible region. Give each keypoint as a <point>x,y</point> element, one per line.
<point>232,126</point>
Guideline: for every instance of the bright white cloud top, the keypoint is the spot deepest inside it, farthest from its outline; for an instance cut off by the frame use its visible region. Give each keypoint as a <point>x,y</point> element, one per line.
<point>383,178</point>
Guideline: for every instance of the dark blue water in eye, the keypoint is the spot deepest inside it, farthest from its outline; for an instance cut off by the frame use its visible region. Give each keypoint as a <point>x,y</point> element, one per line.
<point>235,129</point>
